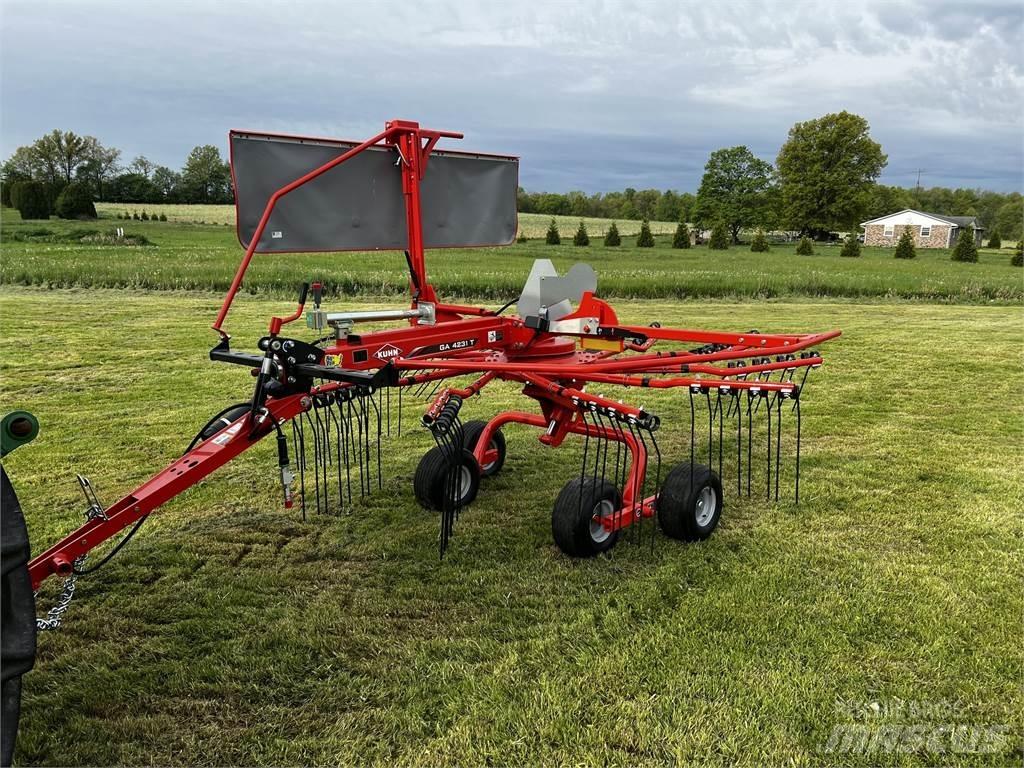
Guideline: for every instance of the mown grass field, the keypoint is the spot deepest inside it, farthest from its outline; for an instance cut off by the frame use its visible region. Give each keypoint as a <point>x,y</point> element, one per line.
<point>204,257</point>
<point>231,632</point>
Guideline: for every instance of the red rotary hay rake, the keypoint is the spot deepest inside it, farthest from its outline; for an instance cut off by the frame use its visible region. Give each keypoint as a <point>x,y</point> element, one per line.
<point>328,402</point>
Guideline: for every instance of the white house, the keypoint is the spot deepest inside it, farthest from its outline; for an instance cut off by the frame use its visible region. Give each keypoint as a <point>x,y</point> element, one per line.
<point>931,230</point>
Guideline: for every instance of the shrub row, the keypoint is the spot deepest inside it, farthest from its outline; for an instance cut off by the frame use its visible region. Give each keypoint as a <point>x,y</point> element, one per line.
<point>144,217</point>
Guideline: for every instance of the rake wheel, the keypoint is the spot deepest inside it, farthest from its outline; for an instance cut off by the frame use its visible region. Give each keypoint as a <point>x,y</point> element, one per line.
<point>576,517</point>
<point>690,502</point>
<point>434,473</point>
<point>471,434</point>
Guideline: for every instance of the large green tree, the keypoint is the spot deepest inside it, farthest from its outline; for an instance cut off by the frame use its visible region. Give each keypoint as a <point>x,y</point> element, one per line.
<point>734,189</point>
<point>61,152</point>
<point>99,166</point>
<point>167,182</point>
<point>206,177</point>
<point>1009,218</point>
<point>669,207</point>
<point>827,168</point>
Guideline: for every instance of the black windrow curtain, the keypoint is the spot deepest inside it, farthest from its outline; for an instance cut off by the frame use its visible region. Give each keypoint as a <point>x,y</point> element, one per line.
<point>467,199</point>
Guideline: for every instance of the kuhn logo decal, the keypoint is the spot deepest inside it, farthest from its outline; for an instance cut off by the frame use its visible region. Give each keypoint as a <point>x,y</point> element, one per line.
<point>388,352</point>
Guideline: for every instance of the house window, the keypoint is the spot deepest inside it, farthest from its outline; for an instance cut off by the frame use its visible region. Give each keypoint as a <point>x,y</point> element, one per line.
<point>888,230</point>
<point>926,230</point>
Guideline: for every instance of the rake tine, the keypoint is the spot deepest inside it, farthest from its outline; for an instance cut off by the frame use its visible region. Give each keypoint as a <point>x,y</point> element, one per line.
<point>365,424</point>
<point>618,449</point>
<point>807,370</point>
<point>586,447</point>
<point>303,419</point>
<point>325,454</point>
<point>374,401</point>
<point>318,454</point>
<point>332,410</point>
<point>419,390</point>
<point>796,493</point>
<point>601,458</point>
<point>693,434</point>
<point>583,461</point>
<point>327,430</point>
<point>346,443</point>
<point>620,477</point>
<point>718,415</point>
<point>768,490</point>
<point>449,440</point>
<point>328,413</point>
<point>711,420</point>
<point>739,442</point>
<point>732,403</point>
<point>778,443</point>
<point>750,440</point>
<point>316,458</point>
<point>300,461</point>
<point>400,391</point>
<point>355,436</point>
<point>761,378</point>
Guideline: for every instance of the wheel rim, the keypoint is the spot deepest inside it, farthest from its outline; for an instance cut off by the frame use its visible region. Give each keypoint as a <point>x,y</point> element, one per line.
<point>707,502</point>
<point>598,533</point>
<point>466,476</point>
<point>491,446</point>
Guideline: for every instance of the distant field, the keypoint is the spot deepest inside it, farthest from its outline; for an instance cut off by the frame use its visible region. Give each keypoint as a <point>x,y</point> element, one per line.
<point>531,224</point>
<point>204,257</point>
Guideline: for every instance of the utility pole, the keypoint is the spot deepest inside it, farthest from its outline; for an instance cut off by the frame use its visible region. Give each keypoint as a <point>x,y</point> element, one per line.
<point>919,172</point>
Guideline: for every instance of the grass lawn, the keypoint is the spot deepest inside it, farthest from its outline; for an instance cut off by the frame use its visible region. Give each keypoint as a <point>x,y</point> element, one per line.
<point>231,632</point>
<point>203,257</point>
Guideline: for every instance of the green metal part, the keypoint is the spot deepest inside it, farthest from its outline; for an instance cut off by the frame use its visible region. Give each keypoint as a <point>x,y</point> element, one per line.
<point>17,429</point>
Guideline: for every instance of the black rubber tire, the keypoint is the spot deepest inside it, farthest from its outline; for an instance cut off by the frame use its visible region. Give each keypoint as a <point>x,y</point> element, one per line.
<point>573,513</point>
<point>432,476</point>
<point>680,502</point>
<point>471,431</point>
<point>17,615</point>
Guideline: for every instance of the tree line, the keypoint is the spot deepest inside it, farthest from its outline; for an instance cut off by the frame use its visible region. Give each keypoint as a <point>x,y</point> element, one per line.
<point>823,180</point>
<point>61,158</point>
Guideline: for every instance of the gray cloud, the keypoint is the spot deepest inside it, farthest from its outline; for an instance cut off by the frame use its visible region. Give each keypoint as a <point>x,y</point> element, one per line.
<point>593,96</point>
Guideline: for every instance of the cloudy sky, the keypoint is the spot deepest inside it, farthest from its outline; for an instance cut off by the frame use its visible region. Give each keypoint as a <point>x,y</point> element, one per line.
<point>594,96</point>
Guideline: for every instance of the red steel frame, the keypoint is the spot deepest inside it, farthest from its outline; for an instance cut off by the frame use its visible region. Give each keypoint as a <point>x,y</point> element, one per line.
<point>549,365</point>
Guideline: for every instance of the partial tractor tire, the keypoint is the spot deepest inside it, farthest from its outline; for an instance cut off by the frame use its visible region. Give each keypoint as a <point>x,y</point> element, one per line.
<point>577,514</point>
<point>690,502</point>
<point>471,432</point>
<point>431,481</point>
<point>17,614</point>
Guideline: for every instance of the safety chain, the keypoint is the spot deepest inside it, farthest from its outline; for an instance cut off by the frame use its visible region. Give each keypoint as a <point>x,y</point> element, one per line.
<point>53,616</point>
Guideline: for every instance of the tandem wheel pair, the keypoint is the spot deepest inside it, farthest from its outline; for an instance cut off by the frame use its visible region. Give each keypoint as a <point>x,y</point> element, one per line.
<point>689,503</point>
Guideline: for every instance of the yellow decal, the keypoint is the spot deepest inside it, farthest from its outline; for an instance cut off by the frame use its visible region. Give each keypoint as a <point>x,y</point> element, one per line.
<point>590,342</point>
<point>332,361</point>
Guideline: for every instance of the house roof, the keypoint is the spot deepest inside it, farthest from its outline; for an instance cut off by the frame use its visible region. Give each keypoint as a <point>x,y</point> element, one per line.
<point>960,221</point>
<point>957,221</point>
